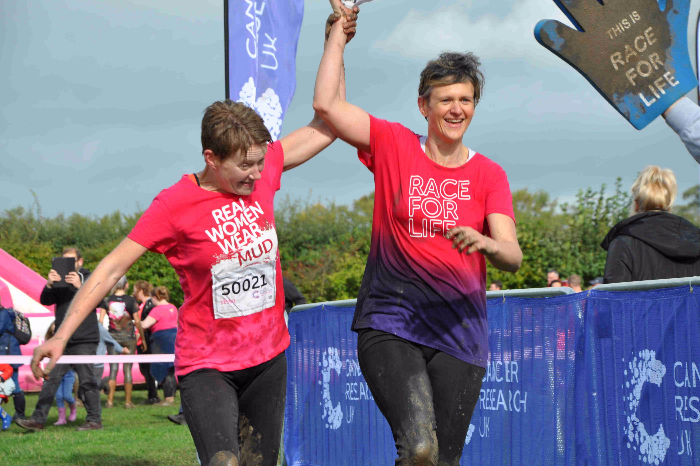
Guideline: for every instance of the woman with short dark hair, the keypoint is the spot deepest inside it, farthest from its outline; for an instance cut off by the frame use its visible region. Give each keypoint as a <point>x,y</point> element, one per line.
<point>440,210</point>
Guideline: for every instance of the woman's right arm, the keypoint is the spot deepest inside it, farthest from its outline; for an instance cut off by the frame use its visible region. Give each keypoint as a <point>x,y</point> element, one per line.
<point>349,122</point>
<point>105,276</point>
<point>148,322</point>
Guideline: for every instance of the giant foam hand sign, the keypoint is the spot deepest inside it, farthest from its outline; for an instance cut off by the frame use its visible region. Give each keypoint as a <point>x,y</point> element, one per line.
<point>634,52</point>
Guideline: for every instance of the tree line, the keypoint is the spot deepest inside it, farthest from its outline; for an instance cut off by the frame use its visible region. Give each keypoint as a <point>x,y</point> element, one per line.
<point>324,246</point>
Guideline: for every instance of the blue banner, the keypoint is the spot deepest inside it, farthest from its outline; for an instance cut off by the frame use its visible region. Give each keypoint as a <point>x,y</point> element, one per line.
<point>261,42</point>
<point>600,378</point>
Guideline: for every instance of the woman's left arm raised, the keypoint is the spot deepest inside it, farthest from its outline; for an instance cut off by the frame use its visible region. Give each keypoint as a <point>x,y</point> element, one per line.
<point>302,144</point>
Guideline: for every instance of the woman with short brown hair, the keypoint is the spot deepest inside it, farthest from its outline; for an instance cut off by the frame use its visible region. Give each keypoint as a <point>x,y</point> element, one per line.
<point>216,227</point>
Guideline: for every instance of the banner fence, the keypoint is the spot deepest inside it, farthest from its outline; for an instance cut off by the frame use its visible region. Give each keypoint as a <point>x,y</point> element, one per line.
<point>593,378</point>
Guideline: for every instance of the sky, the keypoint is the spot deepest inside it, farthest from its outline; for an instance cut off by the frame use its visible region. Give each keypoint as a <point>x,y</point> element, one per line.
<point>101,102</point>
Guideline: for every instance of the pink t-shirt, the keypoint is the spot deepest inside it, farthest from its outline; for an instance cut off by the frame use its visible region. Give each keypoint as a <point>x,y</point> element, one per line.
<point>165,316</point>
<point>224,249</point>
<point>415,285</point>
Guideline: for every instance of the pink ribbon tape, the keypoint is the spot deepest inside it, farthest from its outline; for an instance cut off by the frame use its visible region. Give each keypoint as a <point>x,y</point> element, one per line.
<point>139,358</point>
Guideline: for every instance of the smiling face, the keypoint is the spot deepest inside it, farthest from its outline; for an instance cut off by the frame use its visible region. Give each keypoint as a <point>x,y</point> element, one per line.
<point>449,110</point>
<point>237,174</point>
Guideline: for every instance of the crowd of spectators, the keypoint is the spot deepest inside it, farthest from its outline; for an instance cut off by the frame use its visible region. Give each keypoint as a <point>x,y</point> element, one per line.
<point>144,322</point>
<point>113,329</point>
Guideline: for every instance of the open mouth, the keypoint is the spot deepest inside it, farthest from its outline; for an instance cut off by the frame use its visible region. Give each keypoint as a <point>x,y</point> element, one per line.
<point>454,122</point>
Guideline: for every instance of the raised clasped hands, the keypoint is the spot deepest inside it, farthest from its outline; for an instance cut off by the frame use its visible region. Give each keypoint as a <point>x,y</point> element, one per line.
<point>347,17</point>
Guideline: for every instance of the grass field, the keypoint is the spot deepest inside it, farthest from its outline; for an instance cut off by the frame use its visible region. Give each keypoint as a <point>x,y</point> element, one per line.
<point>142,436</point>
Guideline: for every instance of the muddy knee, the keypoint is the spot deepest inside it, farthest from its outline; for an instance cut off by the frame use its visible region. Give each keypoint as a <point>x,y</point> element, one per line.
<point>224,458</point>
<point>421,453</point>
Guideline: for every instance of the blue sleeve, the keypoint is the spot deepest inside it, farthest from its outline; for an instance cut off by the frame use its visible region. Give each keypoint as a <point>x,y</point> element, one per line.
<point>6,324</point>
<point>684,119</point>
<point>104,334</point>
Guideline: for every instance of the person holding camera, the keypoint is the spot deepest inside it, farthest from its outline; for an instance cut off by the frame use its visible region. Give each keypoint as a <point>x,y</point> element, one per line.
<point>84,341</point>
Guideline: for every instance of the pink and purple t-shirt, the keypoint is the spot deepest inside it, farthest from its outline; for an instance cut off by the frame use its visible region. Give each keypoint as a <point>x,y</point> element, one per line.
<point>165,316</point>
<point>415,285</point>
<point>224,249</point>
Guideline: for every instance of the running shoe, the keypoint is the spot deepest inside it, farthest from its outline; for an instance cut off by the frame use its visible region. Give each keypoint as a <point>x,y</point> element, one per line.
<point>6,419</point>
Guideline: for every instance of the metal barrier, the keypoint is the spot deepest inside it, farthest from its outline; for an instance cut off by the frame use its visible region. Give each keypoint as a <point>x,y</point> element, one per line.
<point>523,293</point>
<point>649,284</point>
<point>545,292</point>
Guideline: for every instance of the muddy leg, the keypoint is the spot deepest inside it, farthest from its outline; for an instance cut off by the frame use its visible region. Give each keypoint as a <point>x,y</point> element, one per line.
<point>210,405</point>
<point>456,387</point>
<point>224,458</point>
<point>262,413</point>
<point>396,373</point>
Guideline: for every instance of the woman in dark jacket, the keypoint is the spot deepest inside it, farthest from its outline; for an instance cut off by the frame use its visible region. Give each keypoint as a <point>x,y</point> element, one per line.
<point>654,243</point>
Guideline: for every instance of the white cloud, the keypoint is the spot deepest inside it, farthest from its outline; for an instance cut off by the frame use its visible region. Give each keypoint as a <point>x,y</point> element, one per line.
<point>423,35</point>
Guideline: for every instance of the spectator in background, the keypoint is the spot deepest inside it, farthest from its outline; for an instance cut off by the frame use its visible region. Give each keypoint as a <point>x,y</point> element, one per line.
<point>556,284</point>
<point>552,275</point>
<point>99,368</point>
<point>65,390</point>
<point>10,346</point>
<point>575,283</point>
<point>162,320</point>
<point>292,295</point>
<point>82,342</point>
<point>654,243</point>
<point>122,310</point>
<point>142,293</point>
<point>496,285</point>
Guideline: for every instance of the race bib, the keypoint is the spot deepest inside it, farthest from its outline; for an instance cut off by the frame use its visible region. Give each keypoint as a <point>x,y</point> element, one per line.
<point>245,283</point>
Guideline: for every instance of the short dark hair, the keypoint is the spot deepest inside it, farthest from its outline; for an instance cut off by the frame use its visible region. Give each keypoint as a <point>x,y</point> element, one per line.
<point>230,127</point>
<point>452,68</point>
<point>498,283</point>
<point>74,250</point>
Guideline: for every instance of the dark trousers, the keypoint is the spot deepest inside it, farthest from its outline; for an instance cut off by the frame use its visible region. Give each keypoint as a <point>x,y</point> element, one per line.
<point>426,396</point>
<point>88,385</point>
<point>169,384</point>
<point>145,369</point>
<point>238,412</point>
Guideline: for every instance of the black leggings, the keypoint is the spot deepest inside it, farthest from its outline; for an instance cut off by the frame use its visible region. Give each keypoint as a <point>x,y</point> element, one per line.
<point>427,396</point>
<point>236,413</point>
